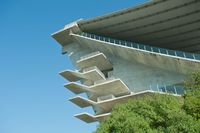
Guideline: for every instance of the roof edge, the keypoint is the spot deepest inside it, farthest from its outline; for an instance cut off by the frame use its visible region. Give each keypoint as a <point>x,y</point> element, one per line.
<point>63,36</point>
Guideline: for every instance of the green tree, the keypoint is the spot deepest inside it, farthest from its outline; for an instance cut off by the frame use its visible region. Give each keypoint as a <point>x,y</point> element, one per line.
<point>192,96</point>
<point>153,114</point>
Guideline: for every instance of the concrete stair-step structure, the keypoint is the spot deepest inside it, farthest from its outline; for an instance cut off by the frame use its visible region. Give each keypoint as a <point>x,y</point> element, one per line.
<point>115,87</point>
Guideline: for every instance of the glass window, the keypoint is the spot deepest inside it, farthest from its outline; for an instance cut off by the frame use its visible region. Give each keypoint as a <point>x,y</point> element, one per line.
<point>189,55</point>
<point>112,40</point>
<point>101,38</point>
<point>134,45</point>
<point>92,36</point>
<point>117,41</point>
<point>197,56</point>
<point>179,90</point>
<point>179,53</point>
<point>170,89</point>
<point>123,43</point>
<point>155,49</point>
<point>106,39</point>
<point>163,51</point>
<point>171,52</point>
<point>128,44</point>
<point>141,47</point>
<point>148,48</point>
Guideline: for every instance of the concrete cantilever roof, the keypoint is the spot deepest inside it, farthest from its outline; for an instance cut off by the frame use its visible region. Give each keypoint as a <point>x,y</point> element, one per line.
<point>173,24</point>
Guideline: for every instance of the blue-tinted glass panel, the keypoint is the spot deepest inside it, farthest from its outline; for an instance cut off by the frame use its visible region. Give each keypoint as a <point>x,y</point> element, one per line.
<point>171,52</point>
<point>170,89</point>
<point>134,45</point>
<point>128,44</point>
<point>117,41</point>
<point>179,90</point>
<point>162,88</point>
<point>179,53</point>
<point>92,36</point>
<point>148,48</point>
<point>101,38</point>
<point>141,47</point>
<point>189,55</point>
<point>197,56</point>
<point>123,43</point>
<point>98,37</point>
<point>88,35</point>
<point>163,51</point>
<point>112,40</point>
<point>156,50</point>
<point>106,39</point>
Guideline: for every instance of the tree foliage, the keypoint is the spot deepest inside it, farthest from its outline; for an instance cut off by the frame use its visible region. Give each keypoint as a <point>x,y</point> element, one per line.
<point>152,114</point>
<point>157,113</point>
<point>192,97</point>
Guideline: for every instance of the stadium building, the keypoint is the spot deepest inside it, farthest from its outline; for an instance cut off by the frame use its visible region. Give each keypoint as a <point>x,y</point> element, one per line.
<point>150,48</point>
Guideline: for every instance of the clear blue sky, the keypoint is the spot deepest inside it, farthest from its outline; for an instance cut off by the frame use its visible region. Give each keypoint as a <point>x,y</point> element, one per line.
<point>32,96</point>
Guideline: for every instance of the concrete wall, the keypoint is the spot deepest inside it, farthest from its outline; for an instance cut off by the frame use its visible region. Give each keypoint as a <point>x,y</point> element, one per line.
<point>75,51</point>
<point>136,76</point>
<point>139,77</point>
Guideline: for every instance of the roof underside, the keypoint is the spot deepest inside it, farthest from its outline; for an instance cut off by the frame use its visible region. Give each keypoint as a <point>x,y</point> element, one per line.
<point>173,24</point>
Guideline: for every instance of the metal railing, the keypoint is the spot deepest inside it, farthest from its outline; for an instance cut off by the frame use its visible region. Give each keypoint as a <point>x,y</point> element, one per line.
<point>175,53</point>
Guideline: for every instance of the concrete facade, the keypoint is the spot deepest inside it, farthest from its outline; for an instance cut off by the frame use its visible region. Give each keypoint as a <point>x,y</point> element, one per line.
<point>112,71</point>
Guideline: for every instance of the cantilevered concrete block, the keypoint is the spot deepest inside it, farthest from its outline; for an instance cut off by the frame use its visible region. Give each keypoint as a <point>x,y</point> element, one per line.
<point>82,102</point>
<point>91,73</point>
<point>115,87</point>
<point>71,75</point>
<point>107,105</point>
<point>88,118</point>
<point>96,59</point>
<point>77,88</point>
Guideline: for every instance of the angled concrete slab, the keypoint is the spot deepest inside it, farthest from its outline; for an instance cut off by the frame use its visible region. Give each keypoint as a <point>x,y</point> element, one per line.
<point>88,118</point>
<point>77,88</point>
<point>82,102</point>
<point>71,75</point>
<point>107,105</point>
<point>95,59</point>
<point>91,73</point>
<point>114,87</point>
